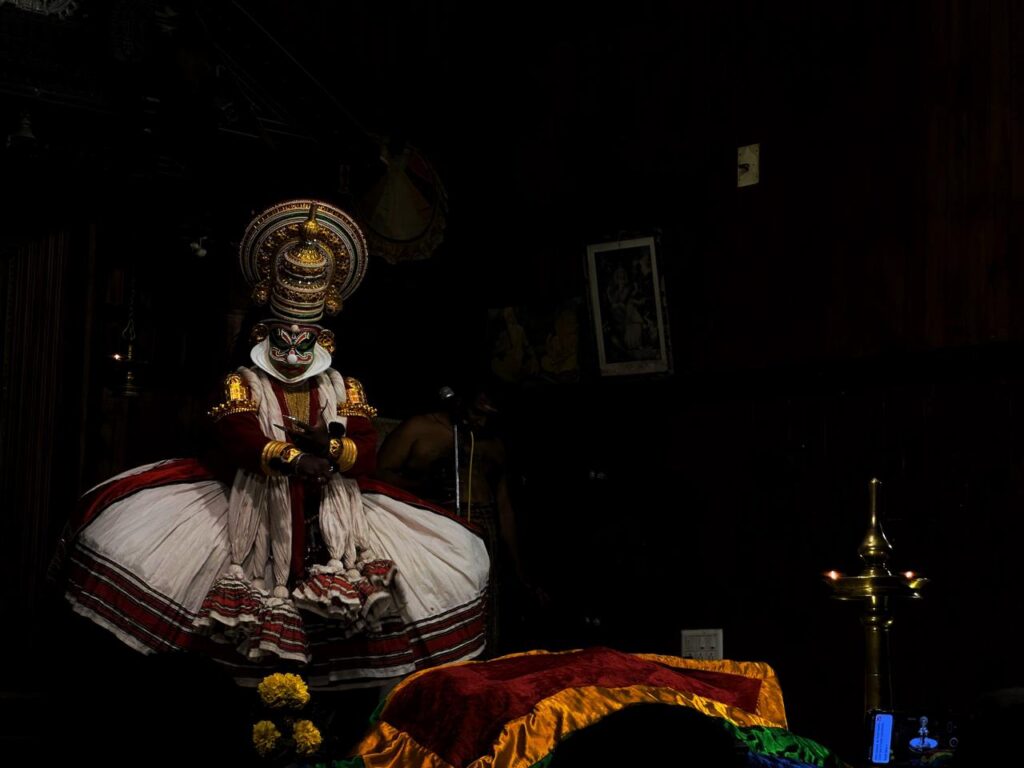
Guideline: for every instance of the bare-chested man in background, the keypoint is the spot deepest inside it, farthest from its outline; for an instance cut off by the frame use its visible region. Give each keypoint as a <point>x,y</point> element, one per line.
<point>418,456</point>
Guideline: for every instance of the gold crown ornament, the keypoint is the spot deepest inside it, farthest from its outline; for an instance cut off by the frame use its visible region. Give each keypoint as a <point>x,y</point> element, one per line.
<point>304,258</point>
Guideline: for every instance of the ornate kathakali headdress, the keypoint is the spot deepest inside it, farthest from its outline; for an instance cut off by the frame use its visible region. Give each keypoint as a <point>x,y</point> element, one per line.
<point>304,258</point>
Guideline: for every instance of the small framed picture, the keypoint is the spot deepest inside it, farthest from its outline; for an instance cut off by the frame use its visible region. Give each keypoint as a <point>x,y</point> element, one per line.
<point>628,308</point>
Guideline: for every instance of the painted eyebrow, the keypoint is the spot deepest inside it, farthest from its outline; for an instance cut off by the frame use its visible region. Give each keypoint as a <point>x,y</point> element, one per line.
<point>285,335</point>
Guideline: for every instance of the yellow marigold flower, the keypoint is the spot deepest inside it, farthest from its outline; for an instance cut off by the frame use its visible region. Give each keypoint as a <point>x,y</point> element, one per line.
<point>283,690</point>
<point>264,737</point>
<point>307,737</point>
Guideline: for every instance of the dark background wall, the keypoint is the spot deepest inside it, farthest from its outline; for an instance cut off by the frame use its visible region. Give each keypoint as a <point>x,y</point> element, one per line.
<point>853,315</point>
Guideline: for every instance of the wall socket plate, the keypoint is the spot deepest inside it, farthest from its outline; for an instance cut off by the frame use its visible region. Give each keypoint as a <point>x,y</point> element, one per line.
<point>702,644</point>
<point>748,165</point>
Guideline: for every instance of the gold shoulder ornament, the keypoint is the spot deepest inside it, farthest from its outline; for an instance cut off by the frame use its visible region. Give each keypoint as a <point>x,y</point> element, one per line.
<point>356,404</point>
<point>237,399</point>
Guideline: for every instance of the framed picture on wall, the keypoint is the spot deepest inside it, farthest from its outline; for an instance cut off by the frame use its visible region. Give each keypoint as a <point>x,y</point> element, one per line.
<point>536,341</point>
<point>627,306</point>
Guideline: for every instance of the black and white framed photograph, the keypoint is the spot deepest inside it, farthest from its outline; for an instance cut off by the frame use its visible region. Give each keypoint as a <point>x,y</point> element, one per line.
<point>628,309</point>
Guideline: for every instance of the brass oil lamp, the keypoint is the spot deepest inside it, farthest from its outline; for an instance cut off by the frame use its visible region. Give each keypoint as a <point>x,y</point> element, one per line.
<point>876,587</point>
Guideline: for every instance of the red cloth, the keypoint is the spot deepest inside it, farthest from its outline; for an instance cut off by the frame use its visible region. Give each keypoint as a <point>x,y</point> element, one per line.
<point>458,712</point>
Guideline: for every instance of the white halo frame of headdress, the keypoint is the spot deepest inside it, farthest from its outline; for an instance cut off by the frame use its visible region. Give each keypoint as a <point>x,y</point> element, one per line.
<point>279,227</point>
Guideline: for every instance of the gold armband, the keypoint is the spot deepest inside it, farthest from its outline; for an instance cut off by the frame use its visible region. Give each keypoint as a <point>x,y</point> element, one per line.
<point>237,399</point>
<point>355,403</point>
<point>286,453</point>
<point>343,452</point>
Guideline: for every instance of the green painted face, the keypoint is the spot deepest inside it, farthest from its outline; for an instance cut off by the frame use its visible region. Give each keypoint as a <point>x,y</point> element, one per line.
<point>292,347</point>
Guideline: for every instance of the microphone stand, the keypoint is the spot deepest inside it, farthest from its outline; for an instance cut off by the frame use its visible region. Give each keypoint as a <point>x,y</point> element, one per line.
<point>458,478</point>
<point>453,409</point>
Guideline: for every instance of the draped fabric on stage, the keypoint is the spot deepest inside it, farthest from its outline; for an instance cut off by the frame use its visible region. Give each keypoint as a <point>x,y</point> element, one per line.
<point>518,710</point>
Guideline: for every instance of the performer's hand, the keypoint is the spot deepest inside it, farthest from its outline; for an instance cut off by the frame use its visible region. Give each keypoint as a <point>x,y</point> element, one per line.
<point>313,469</point>
<point>309,439</point>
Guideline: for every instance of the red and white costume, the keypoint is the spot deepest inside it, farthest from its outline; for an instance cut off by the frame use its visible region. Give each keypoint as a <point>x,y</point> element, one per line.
<point>152,561</point>
<point>212,556</point>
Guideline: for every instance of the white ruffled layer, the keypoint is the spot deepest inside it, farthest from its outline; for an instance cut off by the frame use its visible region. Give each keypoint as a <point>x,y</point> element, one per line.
<point>388,558</point>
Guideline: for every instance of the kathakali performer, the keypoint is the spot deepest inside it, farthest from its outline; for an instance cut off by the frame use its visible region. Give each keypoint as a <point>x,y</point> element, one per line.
<point>279,549</point>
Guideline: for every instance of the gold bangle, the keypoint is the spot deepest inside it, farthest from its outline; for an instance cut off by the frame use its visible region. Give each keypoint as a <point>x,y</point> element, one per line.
<point>334,449</point>
<point>347,455</point>
<point>290,455</point>
<point>273,450</point>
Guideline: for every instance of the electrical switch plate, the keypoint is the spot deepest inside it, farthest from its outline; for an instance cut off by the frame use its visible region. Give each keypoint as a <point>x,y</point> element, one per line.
<point>748,165</point>
<point>702,644</point>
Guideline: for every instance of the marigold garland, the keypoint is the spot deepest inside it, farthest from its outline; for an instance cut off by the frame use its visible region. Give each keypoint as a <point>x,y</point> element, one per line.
<point>283,690</point>
<point>307,737</point>
<point>265,736</point>
<point>283,733</point>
